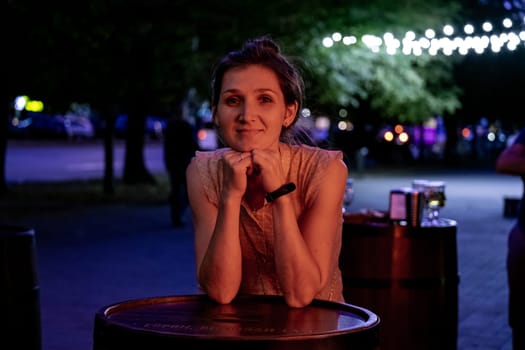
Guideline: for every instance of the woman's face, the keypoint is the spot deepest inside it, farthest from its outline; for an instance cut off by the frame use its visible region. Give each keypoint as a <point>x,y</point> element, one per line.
<point>251,110</point>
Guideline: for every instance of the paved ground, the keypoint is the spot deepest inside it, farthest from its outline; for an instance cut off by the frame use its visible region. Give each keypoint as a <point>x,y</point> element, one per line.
<point>92,257</point>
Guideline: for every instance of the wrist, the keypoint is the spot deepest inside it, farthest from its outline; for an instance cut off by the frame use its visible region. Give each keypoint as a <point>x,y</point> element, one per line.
<point>230,197</point>
<point>281,191</point>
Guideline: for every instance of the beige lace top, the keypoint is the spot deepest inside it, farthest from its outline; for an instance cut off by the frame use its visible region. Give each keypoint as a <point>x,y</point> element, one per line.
<point>306,168</point>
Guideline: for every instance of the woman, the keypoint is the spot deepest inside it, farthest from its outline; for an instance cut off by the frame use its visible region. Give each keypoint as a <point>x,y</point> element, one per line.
<point>267,213</point>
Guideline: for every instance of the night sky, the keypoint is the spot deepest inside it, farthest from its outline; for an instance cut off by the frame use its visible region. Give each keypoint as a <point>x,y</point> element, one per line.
<point>494,83</point>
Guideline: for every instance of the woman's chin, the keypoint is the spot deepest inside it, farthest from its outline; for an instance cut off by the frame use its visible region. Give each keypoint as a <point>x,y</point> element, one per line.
<point>242,147</point>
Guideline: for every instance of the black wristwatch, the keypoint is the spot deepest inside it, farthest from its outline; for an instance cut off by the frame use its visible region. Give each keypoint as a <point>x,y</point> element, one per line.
<point>281,191</point>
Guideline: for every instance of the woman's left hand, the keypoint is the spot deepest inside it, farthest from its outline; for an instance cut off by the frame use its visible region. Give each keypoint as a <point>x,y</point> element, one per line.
<point>268,165</point>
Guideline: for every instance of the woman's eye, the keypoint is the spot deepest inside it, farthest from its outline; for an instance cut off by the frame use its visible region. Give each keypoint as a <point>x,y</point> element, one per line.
<point>232,100</point>
<point>266,99</point>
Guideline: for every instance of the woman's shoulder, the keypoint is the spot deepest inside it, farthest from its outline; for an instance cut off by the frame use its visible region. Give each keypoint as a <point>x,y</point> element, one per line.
<point>315,152</point>
<point>207,162</point>
<point>212,154</point>
<point>311,162</point>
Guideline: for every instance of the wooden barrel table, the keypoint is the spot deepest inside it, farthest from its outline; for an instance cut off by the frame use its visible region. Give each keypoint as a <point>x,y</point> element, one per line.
<point>408,276</point>
<point>19,290</point>
<point>249,322</point>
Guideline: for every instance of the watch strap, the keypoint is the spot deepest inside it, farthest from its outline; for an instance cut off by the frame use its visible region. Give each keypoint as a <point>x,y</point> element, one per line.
<point>281,191</point>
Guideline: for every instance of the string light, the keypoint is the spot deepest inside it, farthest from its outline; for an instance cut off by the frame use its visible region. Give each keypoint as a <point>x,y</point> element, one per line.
<point>447,43</point>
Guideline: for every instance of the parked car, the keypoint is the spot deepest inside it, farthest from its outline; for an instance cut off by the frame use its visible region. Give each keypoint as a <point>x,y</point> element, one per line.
<point>18,128</point>
<point>46,126</point>
<point>155,126</point>
<point>38,125</point>
<point>78,127</point>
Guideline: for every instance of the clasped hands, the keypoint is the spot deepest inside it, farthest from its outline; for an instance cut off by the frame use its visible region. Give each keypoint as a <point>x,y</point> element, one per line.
<point>241,166</point>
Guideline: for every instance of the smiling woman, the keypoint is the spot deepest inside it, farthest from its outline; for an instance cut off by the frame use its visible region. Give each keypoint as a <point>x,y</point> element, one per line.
<point>266,208</point>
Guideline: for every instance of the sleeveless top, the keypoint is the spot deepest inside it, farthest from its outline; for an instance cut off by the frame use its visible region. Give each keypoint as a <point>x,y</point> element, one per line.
<point>306,166</point>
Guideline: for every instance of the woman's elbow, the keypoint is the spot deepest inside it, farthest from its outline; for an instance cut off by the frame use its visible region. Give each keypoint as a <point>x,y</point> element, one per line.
<point>299,300</point>
<point>219,290</point>
<point>220,296</point>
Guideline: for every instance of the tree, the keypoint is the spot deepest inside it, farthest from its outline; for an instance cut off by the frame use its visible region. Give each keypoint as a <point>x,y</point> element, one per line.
<point>401,87</point>
<point>3,150</point>
<point>103,53</point>
<point>142,57</point>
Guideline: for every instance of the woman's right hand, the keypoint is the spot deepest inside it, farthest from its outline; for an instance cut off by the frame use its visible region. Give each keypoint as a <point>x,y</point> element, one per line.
<point>236,166</point>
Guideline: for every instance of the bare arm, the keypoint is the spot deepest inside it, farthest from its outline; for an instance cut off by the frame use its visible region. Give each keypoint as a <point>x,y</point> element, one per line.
<point>217,244</point>
<point>512,160</point>
<point>303,249</point>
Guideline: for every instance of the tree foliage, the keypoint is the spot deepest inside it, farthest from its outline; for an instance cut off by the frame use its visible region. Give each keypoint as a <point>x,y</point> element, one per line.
<point>117,51</point>
<point>401,87</point>
<point>142,57</point>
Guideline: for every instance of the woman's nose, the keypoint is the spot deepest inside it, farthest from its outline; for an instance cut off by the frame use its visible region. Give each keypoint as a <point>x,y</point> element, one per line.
<point>248,111</point>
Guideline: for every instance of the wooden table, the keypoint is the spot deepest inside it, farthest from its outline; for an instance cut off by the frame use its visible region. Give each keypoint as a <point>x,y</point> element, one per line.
<point>248,323</point>
<point>19,288</point>
<point>407,275</point>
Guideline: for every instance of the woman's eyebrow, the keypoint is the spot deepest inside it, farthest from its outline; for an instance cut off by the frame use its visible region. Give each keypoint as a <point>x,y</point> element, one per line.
<point>258,90</point>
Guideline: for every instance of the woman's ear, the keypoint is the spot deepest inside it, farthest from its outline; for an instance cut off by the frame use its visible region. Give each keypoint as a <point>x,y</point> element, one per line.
<point>290,114</point>
<point>214,117</point>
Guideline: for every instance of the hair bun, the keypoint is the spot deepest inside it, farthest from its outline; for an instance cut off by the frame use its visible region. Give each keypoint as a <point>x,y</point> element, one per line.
<point>264,42</point>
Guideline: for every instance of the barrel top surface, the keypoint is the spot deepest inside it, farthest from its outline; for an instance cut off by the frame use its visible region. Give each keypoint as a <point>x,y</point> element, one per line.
<point>250,317</point>
<point>381,223</point>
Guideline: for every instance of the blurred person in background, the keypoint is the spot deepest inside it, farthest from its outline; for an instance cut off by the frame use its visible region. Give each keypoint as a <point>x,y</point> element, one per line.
<point>267,209</point>
<point>511,161</point>
<point>180,144</point>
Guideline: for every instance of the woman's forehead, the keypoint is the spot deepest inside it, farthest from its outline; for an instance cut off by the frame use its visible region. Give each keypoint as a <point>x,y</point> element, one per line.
<point>251,77</point>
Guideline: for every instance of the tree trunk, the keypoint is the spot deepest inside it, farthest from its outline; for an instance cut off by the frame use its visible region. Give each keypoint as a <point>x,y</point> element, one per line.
<point>109,185</point>
<point>135,171</point>
<point>3,151</point>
